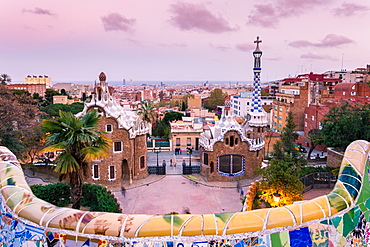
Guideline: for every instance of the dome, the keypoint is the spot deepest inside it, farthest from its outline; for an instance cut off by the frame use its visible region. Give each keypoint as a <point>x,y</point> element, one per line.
<point>102,76</point>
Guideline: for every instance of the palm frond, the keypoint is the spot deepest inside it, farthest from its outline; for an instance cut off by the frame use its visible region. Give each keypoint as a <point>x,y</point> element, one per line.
<point>66,163</point>
<point>93,153</point>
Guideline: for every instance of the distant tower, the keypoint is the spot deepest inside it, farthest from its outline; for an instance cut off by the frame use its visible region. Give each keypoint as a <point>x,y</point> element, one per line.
<point>258,115</point>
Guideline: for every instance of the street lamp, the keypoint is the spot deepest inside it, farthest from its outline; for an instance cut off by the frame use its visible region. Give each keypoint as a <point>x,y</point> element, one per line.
<point>157,152</point>
<point>190,151</point>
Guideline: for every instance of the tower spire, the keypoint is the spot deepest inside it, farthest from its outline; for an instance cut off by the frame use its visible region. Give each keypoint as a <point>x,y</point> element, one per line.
<point>258,115</point>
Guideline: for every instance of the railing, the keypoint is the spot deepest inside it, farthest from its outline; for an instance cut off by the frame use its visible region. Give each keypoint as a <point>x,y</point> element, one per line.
<point>157,170</point>
<point>318,180</point>
<point>188,170</point>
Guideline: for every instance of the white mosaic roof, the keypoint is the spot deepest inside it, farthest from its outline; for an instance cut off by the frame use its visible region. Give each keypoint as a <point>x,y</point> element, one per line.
<point>126,119</point>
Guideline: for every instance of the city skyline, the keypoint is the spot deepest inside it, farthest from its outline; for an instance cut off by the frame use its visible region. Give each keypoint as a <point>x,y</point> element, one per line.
<point>177,41</point>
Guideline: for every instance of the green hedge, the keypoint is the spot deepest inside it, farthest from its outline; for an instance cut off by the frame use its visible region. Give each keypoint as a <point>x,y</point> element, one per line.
<point>95,197</point>
<point>98,199</point>
<point>57,194</point>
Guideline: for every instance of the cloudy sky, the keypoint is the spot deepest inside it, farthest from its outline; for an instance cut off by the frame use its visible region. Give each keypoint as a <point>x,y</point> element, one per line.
<point>163,40</point>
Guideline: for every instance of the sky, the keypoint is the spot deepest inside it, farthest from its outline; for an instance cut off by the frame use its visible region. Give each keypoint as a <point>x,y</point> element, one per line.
<point>163,40</point>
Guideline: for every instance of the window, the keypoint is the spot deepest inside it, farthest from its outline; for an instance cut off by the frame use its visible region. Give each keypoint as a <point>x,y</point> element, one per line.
<point>227,141</point>
<point>142,162</point>
<point>109,128</point>
<point>281,109</point>
<point>313,118</point>
<point>353,93</point>
<point>188,141</point>
<point>117,147</point>
<point>177,142</point>
<point>112,173</point>
<point>231,165</point>
<point>231,141</point>
<point>95,172</point>
<point>205,159</point>
<point>236,141</point>
<point>305,115</point>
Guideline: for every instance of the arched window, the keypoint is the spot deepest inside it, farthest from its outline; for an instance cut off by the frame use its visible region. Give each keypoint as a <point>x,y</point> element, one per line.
<point>231,165</point>
<point>236,140</point>
<point>227,141</point>
<point>231,141</point>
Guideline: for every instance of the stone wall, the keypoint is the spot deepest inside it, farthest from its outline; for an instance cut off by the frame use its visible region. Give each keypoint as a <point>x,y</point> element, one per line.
<point>334,158</point>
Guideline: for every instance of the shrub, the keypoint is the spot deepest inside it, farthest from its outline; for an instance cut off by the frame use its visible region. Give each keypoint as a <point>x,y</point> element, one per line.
<point>98,199</point>
<point>57,194</point>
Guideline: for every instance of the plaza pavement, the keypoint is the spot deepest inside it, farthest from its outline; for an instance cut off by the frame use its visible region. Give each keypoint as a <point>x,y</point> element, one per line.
<point>174,192</point>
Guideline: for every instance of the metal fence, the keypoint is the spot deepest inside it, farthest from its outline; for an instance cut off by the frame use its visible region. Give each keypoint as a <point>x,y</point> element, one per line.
<point>188,170</point>
<point>318,180</point>
<point>158,170</point>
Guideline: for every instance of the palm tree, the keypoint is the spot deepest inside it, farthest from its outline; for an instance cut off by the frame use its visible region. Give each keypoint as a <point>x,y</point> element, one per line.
<point>146,111</point>
<point>4,79</point>
<point>80,142</point>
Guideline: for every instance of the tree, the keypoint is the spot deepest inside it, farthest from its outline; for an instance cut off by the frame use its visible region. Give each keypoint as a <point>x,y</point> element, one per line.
<point>49,93</point>
<point>5,79</point>
<point>79,143</point>
<point>281,177</point>
<point>146,111</point>
<point>217,97</point>
<point>286,143</point>
<point>171,116</point>
<point>33,141</point>
<point>345,124</point>
<point>281,185</point>
<point>53,109</point>
<point>315,138</point>
<point>18,115</point>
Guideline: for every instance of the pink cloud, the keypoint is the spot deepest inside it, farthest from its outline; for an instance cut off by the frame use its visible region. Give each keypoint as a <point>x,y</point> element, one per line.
<point>350,9</point>
<point>187,16</point>
<point>117,22</point>
<point>174,45</point>
<point>220,47</point>
<point>330,40</point>
<point>269,14</point>
<point>39,11</point>
<point>245,47</point>
<point>135,42</point>
<point>315,55</point>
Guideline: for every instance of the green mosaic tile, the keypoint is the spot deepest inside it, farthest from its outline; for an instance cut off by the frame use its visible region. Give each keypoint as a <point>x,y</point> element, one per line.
<point>348,224</point>
<point>363,207</point>
<point>275,240</point>
<point>326,222</point>
<point>336,221</point>
<point>367,203</point>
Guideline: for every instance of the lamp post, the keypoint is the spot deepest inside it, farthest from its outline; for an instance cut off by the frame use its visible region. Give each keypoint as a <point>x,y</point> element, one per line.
<point>190,151</point>
<point>157,152</point>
